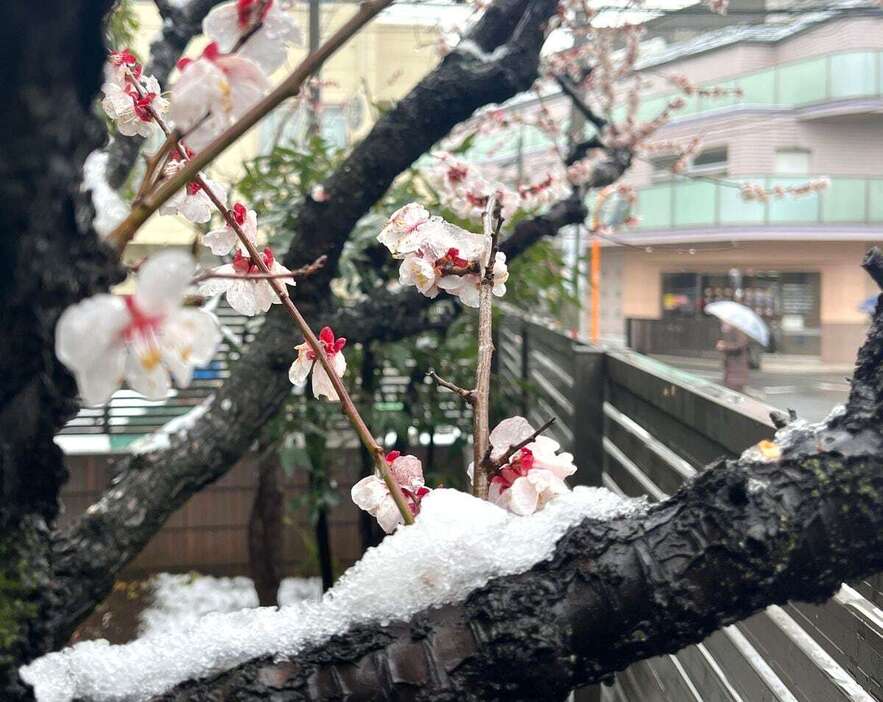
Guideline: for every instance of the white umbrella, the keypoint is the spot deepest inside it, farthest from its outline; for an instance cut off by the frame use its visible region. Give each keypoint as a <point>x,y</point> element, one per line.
<point>741,317</point>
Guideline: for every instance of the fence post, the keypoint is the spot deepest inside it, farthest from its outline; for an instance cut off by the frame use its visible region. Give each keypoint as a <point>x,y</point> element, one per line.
<point>525,368</point>
<point>589,387</point>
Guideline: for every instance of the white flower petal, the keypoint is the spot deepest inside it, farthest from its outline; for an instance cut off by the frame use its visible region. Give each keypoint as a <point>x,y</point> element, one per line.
<point>508,433</point>
<point>162,281</point>
<point>100,380</point>
<point>89,330</point>
<point>369,493</point>
<point>522,497</point>
<point>145,374</point>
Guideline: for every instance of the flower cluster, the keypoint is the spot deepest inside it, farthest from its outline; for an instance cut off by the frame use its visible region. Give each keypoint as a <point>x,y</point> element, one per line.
<point>248,39</point>
<point>307,361</point>
<point>129,96</point>
<point>759,193</point>
<point>372,494</point>
<point>437,255</point>
<point>531,476</point>
<point>141,338</point>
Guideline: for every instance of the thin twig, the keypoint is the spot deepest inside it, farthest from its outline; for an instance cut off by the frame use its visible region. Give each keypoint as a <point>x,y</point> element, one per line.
<point>297,273</point>
<point>480,418</point>
<point>124,232</point>
<point>464,394</point>
<point>254,29</point>
<point>347,405</point>
<point>492,466</point>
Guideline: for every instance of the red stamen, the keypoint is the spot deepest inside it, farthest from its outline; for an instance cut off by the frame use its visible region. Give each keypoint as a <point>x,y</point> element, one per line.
<point>139,322</point>
<point>247,12</point>
<point>193,187</point>
<point>211,51</point>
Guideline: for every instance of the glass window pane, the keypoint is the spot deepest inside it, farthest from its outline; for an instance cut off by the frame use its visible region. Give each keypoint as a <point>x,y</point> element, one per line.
<point>758,88</point>
<point>845,200</point>
<point>790,209</point>
<point>875,200</point>
<point>654,207</point>
<point>803,82</point>
<point>694,204</point>
<point>853,74</point>
<point>735,210</point>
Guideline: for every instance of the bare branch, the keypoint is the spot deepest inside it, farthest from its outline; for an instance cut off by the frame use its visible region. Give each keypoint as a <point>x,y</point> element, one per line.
<point>467,396</point>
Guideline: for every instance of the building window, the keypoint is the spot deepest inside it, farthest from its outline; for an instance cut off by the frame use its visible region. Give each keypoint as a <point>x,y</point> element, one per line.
<point>792,162</point>
<point>711,162</point>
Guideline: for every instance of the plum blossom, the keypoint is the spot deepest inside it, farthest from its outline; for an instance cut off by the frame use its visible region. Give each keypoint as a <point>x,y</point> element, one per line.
<point>466,286</point>
<point>226,24</point>
<point>222,241</point>
<point>533,475</point>
<point>140,338</point>
<point>191,201</point>
<point>439,255</point>
<point>248,296</point>
<point>129,109</point>
<point>306,361</point>
<point>120,66</point>
<point>372,495</point>
<point>213,92</point>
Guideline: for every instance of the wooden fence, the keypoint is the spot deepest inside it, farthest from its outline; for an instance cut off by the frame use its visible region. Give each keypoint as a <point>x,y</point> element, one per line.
<point>640,427</point>
<point>209,533</point>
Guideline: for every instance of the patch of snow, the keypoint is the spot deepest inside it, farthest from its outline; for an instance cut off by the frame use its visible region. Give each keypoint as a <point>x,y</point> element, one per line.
<point>178,601</point>
<point>456,545</point>
<point>161,439</point>
<point>110,208</point>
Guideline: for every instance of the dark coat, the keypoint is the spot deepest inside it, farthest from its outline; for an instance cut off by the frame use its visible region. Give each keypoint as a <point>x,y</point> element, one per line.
<point>735,352</point>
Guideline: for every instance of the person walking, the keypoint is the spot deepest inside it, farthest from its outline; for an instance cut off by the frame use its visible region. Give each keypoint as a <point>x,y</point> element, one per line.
<point>734,347</point>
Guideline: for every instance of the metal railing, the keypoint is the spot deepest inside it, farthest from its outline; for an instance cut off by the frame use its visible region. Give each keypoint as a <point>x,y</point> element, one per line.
<point>684,204</point>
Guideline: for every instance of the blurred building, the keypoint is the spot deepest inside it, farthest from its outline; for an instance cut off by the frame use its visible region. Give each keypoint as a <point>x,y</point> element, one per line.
<point>375,68</point>
<point>811,105</point>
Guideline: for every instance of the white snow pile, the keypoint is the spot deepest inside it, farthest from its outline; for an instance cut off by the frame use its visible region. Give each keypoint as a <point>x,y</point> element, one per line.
<point>110,208</point>
<point>457,544</point>
<point>178,601</point>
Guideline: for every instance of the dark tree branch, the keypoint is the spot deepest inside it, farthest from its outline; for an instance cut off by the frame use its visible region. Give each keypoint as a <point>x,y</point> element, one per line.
<point>739,537</point>
<point>151,486</point>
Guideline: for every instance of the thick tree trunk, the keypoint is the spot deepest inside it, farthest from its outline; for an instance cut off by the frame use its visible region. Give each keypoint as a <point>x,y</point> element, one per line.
<point>265,525</point>
<point>743,535</point>
<point>51,54</point>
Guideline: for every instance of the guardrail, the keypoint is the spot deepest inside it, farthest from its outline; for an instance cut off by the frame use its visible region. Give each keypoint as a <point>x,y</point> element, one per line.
<point>640,427</point>
<point>682,204</point>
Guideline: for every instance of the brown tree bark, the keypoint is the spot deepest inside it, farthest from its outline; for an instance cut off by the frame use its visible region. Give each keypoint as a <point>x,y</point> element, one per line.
<point>265,530</point>
<point>743,535</point>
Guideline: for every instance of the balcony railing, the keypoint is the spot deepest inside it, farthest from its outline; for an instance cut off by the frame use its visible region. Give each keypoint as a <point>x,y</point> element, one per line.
<point>682,204</point>
<point>833,77</point>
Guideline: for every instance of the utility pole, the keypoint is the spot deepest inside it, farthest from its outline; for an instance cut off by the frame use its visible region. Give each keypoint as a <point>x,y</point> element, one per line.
<point>314,91</point>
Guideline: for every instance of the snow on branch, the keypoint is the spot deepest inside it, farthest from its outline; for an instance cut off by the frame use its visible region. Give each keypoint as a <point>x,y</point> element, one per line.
<point>457,544</point>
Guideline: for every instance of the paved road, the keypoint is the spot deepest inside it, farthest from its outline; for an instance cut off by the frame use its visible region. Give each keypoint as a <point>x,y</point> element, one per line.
<point>810,388</point>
